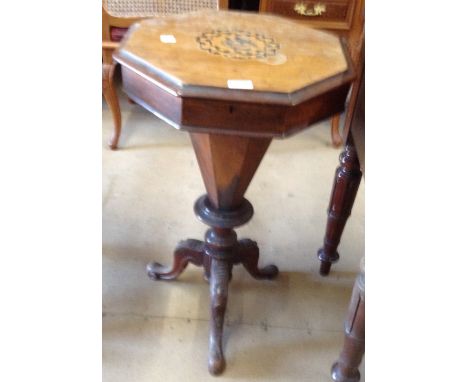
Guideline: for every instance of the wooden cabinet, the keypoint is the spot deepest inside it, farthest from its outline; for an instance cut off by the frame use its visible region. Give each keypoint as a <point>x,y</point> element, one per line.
<point>327,14</point>
<point>343,17</point>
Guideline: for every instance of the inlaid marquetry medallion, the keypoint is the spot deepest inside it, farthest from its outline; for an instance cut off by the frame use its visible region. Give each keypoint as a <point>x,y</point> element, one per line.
<point>238,44</point>
<point>233,50</point>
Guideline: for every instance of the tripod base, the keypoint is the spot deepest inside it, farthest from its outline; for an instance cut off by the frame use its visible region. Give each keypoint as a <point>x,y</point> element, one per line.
<point>217,255</point>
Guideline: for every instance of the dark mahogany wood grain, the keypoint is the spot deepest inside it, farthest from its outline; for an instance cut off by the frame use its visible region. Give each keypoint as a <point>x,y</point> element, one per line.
<point>228,164</point>
<point>151,97</point>
<point>240,112</point>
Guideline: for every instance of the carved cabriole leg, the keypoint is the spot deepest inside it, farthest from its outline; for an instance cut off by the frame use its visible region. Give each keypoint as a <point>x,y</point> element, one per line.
<point>337,141</point>
<point>188,251</point>
<point>110,95</point>
<point>346,368</point>
<point>249,255</point>
<point>220,247</point>
<point>347,179</point>
<point>219,280</point>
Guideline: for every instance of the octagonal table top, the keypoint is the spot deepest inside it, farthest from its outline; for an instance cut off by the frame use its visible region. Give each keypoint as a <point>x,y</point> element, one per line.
<point>235,55</point>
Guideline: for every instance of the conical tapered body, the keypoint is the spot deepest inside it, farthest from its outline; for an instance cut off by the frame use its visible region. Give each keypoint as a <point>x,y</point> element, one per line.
<point>227,164</point>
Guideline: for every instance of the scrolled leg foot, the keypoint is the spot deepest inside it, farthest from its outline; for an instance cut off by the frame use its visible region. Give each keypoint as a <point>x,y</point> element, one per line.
<point>219,281</point>
<point>339,375</point>
<point>216,363</point>
<point>249,255</point>
<point>188,251</point>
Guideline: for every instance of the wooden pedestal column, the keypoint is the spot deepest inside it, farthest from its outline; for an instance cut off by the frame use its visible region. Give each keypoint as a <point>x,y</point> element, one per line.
<point>227,164</point>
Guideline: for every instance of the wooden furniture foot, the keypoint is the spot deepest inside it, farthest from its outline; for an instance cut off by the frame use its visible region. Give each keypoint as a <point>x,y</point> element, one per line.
<point>346,368</point>
<point>188,251</point>
<point>110,95</point>
<point>346,183</point>
<point>249,255</point>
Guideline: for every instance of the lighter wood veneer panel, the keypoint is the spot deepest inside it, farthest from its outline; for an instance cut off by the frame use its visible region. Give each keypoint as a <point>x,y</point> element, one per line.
<point>276,54</point>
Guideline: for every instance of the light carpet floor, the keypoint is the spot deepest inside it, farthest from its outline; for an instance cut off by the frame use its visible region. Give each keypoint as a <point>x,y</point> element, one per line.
<point>290,329</point>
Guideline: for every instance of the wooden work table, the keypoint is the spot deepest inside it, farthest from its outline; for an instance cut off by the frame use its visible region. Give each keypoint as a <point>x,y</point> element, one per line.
<point>233,81</point>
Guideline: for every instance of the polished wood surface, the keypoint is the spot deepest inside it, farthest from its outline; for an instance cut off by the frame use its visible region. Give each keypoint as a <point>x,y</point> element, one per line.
<point>355,127</point>
<point>198,101</point>
<point>230,114</point>
<point>228,164</point>
<point>234,46</point>
<point>231,129</point>
<point>345,187</point>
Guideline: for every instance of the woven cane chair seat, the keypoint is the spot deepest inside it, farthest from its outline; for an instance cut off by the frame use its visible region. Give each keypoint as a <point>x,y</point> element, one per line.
<point>151,8</point>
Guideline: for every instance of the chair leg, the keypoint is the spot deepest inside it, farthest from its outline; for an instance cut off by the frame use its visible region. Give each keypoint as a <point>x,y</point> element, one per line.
<point>337,141</point>
<point>110,95</point>
<point>346,368</point>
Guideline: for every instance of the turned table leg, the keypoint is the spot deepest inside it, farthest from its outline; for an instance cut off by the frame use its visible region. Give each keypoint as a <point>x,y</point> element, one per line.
<point>345,187</point>
<point>346,368</point>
